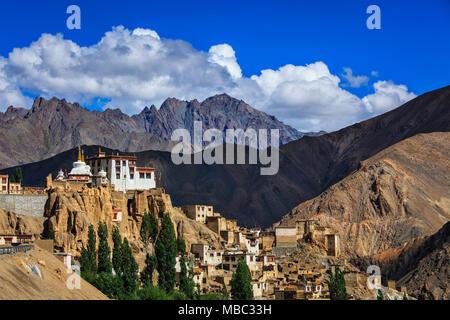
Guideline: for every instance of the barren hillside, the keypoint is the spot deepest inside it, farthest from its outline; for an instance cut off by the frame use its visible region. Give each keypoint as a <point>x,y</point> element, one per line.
<point>400,193</point>
<point>19,282</point>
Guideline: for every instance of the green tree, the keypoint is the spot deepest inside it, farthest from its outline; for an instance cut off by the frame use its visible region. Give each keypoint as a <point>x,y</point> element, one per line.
<point>18,175</point>
<point>405,297</point>
<point>336,285</point>
<point>186,282</point>
<point>104,251</point>
<point>224,292</point>
<point>129,270</point>
<point>150,266</point>
<point>88,258</point>
<point>166,252</point>
<point>153,228</point>
<point>241,282</point>
<point>117,251</point>
<point>111,285</point>
<point>380,295</point>
<point>91,249</point>
<point>149,229</point>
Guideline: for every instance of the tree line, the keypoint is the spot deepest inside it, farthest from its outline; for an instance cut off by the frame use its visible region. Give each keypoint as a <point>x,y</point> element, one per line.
<point>116,273</point>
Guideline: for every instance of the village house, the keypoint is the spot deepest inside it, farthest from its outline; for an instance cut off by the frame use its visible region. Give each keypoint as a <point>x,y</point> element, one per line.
<point>3,183</point>
<point>15,239</point>
<point>207,255</point>
<point>15,188</point>
<point>231,258</point>
<point>198,212</point>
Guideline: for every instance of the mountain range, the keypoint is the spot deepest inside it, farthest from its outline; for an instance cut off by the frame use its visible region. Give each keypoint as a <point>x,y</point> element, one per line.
<point>308,166</point>
<point>53,126</point>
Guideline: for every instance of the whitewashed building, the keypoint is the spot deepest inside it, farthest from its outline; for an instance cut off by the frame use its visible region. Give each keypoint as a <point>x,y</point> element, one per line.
<point>122,172</point>
<point>207,255</point>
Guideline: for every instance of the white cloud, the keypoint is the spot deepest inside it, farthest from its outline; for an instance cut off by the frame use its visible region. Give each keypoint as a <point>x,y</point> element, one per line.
<point>354,81</point>
<point>306,97</point>
<point>10,94</point>
<point>387,96</point>
<point>374,73</point>
<point>224,55</point>
<point>138,68</point>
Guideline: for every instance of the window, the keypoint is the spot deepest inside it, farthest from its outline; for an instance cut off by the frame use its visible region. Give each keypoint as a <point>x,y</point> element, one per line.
<point>118,175</point>
<point>3,180</point>
<point>131,176</point>
<point>141,175</point>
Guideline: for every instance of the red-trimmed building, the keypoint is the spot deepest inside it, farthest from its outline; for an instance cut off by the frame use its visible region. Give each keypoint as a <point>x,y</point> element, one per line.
<point>122,171</point>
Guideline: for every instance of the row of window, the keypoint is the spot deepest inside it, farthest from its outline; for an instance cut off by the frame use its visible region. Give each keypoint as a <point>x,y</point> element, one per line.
<point>141,175</point>
<point>233,259</point>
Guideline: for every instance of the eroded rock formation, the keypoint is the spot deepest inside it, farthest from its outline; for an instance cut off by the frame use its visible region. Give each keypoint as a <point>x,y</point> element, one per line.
<point>69,213</point>
<point>397,195</point>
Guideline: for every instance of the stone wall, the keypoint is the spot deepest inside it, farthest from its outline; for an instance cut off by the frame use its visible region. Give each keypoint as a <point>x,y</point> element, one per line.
<point>27,205</point>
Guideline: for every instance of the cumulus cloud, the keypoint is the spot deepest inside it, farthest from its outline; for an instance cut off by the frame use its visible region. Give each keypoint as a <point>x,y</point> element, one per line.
<point>224,55</point>
<point>387,96</point>
<point>354,81</point>
<point>307,97</point>
<point>132,69</point>
<point>10,94</point>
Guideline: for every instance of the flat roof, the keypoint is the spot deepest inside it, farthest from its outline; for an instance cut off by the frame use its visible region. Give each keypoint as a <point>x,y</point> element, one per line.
<point>111,156</point>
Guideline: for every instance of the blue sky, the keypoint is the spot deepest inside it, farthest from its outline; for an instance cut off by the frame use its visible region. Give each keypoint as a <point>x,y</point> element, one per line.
<point>411,49</point>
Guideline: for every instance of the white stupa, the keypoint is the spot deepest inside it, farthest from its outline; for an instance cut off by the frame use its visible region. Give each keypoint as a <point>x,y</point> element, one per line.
<point>101,177</point>
<point>80,171</point>
<point>60,176</point>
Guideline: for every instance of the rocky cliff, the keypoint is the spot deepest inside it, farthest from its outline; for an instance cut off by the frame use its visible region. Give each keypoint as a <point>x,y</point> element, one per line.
<point>12,223</point>
<point>69,213</point>
<point>422,265</point>
<point>400,193</point>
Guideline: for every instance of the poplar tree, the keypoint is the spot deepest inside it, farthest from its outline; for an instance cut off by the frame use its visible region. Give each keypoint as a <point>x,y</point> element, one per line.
<point>91,249</point>
<point>88,258</point>
<point>144,232</point>
<point>186,282</point>
<point>336,285</point>
<point>224,292</point>
<point>104,251</point>
<point>130,269</point>
<point>241,282</point>
<point>117,251</point>
<point>149,229</point>
<point>166,252</point>
<point>18,177</point>
<point>147,273</point>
